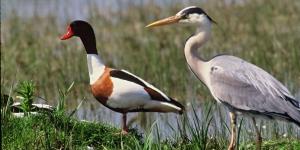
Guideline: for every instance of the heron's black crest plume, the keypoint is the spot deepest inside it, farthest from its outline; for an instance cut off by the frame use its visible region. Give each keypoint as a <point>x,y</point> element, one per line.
<point>197,10</point>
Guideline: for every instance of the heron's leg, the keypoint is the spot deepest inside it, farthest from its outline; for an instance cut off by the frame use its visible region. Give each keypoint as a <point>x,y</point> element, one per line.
<point>258,135</point>
<point>233,131</point>
<point>124,126</point>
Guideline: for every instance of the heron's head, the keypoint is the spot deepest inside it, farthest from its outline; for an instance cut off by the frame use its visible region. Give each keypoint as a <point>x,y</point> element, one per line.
<point>192,15</point>
<point>78,28</point>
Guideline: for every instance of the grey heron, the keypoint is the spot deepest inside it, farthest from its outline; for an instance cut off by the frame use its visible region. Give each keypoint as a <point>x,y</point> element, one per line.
<point>241,86</point>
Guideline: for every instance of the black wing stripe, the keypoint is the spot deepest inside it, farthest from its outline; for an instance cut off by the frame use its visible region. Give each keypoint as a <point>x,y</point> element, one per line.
<point>125,76</point>
<point>155,95</point>
<point>177,104</point>
<point>294,102</point>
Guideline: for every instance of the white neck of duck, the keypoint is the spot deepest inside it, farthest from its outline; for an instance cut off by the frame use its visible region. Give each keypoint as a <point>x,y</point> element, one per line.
<point>96,67</point>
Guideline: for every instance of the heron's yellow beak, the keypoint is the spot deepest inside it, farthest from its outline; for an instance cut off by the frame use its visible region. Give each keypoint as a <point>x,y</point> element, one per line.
<point>169,20</point>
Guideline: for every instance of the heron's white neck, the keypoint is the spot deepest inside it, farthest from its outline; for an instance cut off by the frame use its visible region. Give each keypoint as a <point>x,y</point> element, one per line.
<point>96,67</point>
<point>196,62</point>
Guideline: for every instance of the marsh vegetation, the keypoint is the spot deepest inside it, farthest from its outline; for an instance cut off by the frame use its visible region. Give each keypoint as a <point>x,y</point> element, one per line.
<point>265,33</point>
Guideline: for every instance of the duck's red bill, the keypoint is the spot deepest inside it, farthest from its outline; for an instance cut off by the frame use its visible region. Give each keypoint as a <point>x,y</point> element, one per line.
<point>67,35</point>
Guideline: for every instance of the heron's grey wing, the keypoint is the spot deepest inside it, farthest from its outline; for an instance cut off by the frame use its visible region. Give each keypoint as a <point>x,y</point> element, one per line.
<point>245,87</point>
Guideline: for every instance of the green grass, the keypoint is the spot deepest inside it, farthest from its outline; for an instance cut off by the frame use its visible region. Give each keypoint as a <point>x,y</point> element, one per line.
<point>26,94</point>
<point>264,32</point>
<point>45,132</point>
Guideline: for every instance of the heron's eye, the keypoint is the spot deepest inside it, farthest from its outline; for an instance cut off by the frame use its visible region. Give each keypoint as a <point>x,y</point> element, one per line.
<point>185,16</point>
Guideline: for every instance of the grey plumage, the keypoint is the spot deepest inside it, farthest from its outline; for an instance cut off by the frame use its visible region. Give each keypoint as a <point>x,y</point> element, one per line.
<point>241,86</point>
<point>246,88</point>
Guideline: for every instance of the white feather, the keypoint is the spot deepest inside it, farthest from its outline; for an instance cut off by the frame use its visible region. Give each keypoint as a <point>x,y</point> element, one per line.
<point>150,86</point>
<point>127,94</point>
<point>95,66</point>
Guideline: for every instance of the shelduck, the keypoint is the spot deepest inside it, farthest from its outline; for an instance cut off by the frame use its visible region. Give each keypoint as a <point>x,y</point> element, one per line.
<point>119,90</point>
